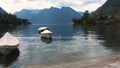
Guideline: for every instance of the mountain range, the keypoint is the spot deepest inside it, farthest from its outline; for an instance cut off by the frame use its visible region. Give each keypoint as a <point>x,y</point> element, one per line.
<point>110,7</point>
<point>52,15</point>
<point>107,14</point>
<point>2,11</point>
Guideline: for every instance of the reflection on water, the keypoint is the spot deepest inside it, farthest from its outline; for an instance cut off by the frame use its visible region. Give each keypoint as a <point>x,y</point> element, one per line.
<point>69,43</point>
<point>110,34</point>
<point>7,60</point>
<point>4,28</point>
<point>46,40</point>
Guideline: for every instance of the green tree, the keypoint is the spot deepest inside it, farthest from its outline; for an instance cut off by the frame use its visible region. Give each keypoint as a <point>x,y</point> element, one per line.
<point>86,14</point>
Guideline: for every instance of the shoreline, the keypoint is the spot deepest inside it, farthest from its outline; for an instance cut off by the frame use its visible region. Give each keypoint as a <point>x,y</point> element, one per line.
<point>103,62</point>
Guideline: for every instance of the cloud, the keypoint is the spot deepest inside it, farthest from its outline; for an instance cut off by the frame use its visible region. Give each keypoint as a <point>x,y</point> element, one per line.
<point>79,5</point>
<point>61,3</point>
<point>93,1</point>
<point>31,0</point>
<point>92,5</point>
<point>17,5</point>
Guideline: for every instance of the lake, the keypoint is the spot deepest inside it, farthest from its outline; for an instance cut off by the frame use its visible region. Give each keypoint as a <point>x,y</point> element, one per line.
<point>69,43</point>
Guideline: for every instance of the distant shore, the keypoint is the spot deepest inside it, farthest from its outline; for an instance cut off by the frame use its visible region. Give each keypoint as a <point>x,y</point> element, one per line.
<point>103,62</point>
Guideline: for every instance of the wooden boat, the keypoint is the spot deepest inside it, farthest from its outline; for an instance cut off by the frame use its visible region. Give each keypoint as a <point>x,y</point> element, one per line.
<point>45,32</point>
<point>8,43</point>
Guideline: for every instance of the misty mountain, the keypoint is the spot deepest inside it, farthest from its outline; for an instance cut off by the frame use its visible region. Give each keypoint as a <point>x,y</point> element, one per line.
<point>52,15</point>
<point>2,11</point>
<point>27,14</point>
<point>81,13</point>
<point>110,7</point>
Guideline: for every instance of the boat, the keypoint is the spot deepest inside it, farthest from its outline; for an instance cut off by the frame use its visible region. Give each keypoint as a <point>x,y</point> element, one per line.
<point>8,44</point>
<point>45,32</point>
<point>41,29</point>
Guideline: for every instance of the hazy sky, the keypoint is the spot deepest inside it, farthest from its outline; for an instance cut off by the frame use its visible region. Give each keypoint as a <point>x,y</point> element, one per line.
<point>79,5</point>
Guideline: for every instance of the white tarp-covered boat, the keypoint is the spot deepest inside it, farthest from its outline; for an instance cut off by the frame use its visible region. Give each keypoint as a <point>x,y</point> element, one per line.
<point>41,29</point>
<point>45,32</point>
<point>8,43</point>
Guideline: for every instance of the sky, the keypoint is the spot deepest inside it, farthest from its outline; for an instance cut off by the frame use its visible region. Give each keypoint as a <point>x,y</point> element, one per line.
<point>12,6</point>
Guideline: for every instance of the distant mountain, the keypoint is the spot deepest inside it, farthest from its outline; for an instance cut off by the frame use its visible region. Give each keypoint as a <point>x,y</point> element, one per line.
<point>107,14</point>
<point>110,7</point>
<point>81,13</point>
<point>27,13</point>
<point>49,16</point>
<point>8,20</point>
<point>2,11</point>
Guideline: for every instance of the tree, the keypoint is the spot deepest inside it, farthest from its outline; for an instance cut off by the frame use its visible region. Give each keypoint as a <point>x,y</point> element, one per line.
<point>86,14</point>
<point>9,19</point>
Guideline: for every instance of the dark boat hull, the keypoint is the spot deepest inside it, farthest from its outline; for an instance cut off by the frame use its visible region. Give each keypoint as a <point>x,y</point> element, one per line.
<point>5,50</point>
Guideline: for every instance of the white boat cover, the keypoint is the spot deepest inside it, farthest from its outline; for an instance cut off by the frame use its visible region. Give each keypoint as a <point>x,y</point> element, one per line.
<point>46,31</point>
<point>8,40</point>
<point>42,28</point>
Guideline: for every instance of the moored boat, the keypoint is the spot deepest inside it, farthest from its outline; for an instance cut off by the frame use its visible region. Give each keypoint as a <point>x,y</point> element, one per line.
<point>41,29</point>
<point>45,32</point>
<point>8,44</point>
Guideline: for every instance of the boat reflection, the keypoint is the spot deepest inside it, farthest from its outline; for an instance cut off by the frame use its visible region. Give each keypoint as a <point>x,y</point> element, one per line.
<point>46,40</point>
<point>7,60</point>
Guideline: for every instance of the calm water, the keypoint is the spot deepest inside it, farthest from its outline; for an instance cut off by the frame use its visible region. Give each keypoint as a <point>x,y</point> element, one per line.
<point>70,43</point>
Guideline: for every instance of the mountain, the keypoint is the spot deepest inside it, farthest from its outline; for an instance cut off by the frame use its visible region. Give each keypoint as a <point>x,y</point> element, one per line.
<point>10,20</point>
<point>81,13</point>
<point>2,11</point>
<point>52,15</point>
<point>110,7</point>
<point>27,13</point>
<point>107,14</point>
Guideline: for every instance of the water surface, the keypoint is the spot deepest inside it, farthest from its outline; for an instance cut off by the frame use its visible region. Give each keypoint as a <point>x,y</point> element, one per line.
<point>69,43</point>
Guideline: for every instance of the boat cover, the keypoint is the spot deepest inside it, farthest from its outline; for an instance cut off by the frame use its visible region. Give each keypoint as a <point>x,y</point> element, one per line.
<point>8,40</point>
